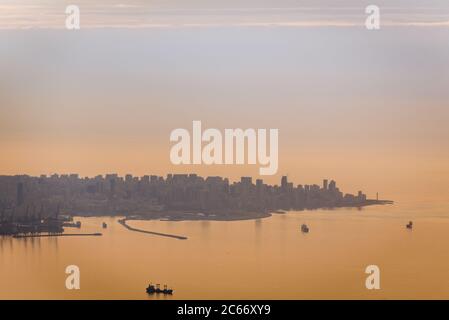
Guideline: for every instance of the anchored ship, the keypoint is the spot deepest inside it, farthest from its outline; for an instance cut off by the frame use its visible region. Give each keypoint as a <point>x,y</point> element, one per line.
<point>304,228</point>
<point>156,289</point>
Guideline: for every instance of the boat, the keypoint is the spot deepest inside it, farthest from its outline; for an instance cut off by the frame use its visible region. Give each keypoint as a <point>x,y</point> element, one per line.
<point>72,224</point>
<point>105,225</point>
<point>409,225</point>
<point>166,290</point>
<point>156,289</point>
<point>304,228</point>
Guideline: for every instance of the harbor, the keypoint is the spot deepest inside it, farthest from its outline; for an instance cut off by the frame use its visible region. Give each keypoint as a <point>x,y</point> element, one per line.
<point>34,224</point>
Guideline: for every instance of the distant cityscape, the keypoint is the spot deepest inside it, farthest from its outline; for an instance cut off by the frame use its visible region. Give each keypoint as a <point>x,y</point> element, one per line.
<point>23,196</point>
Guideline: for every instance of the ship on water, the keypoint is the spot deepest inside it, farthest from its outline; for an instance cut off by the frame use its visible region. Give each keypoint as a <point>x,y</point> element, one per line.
<point>304,228</point>
<point>156,289</point>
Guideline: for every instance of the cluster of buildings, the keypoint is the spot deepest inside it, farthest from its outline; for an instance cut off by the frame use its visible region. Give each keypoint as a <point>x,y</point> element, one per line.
<point>26,197</point>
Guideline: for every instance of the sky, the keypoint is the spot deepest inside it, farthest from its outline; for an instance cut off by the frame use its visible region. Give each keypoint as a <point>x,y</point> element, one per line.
<point>206,13</point>
<point>366,108</point>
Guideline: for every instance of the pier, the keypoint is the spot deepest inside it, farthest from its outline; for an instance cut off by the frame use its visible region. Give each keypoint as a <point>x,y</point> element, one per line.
<point>59,235</point>
<point>123,223</point>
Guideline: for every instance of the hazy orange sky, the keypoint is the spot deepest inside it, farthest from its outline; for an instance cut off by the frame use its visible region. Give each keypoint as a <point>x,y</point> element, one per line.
<point>369,109</point>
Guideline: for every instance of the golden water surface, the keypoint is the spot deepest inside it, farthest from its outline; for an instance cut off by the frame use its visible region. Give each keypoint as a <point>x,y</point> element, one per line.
<point>254,259</point>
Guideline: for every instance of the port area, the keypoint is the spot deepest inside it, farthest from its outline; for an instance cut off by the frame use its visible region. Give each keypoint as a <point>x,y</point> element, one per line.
<point>35,226</point>
<point>123,223</point>
<point>59,235</point>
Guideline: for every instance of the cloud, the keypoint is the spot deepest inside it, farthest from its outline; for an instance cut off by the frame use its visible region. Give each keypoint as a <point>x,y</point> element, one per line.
<point>121,15</point>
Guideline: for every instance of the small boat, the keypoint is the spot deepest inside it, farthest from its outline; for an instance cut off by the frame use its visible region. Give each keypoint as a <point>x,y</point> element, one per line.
<point>156,289</point>
<point>105,225</point>
<point>409,225</point>
<point>72,224</point>
<point>166,290</point>
<point>304,228</point>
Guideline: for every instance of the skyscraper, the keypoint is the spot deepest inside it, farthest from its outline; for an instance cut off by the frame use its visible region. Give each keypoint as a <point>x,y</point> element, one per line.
<point>20,196</point>
<point>332,185</point>
<point>284,182</point>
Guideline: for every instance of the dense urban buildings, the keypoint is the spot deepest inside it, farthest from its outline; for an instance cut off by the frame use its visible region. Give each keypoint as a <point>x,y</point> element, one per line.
<point>26,196</point>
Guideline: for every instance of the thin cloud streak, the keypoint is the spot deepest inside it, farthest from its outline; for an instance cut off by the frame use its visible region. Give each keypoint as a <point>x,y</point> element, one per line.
<point>288,24</point>
<point>133,16</point>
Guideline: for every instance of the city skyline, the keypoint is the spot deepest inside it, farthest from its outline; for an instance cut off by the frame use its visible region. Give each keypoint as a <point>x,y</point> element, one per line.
<point>267,180</point>
<point>174,192</point>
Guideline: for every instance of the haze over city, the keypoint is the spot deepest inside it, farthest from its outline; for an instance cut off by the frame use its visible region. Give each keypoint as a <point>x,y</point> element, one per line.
<point>65,109</point>
<point>86,177</point>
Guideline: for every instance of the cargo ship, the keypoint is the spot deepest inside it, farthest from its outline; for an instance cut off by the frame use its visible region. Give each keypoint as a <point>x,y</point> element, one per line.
<point>305,228</point>
<point>156,289</point>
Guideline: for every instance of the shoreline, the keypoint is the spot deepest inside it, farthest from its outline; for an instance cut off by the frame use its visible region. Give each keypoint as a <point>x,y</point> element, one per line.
<point>219,215</point>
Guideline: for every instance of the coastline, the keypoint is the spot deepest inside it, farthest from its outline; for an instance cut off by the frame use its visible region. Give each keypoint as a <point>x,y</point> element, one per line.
<point>219,215</point>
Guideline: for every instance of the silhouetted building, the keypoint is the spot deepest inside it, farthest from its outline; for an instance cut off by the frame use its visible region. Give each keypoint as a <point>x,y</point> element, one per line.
<point>284,182</point>
<point>332,185</point>
<point>20,196</point>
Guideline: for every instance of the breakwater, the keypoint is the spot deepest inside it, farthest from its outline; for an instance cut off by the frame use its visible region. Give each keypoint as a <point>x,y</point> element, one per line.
<point>123,223</point>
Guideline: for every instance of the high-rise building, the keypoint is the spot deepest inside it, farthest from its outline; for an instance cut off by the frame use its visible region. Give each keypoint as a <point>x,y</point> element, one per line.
<point>325,184</point>
<point>284,182</point>
<point>20,196</point>
<point>112,186</point>
<point>361,197</point>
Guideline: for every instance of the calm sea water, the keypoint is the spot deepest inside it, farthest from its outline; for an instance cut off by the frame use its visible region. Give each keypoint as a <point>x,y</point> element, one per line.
<point>255,259</point>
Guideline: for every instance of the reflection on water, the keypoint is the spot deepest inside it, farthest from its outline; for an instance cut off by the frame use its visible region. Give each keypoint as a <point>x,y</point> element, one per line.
<point>263,258</point>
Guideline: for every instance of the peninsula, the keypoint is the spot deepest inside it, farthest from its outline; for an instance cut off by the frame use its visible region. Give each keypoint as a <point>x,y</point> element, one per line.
<point>174,197</point>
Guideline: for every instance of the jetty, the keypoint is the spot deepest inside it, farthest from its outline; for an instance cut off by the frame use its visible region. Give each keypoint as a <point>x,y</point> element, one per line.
<point>58,235</point>
<point>123,223</point>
